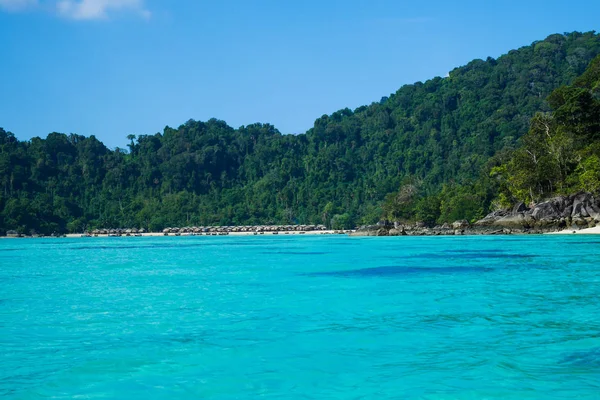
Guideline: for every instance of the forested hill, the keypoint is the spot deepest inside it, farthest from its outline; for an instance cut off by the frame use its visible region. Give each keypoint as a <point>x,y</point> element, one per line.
<point>435,136</point>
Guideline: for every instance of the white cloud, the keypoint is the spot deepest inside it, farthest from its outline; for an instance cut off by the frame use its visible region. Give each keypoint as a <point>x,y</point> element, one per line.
<point>99,9</point>
<point>78,9</point>
<point>17,5</point>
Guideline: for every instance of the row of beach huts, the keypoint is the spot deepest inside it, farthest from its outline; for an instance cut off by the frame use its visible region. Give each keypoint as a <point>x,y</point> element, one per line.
<point>211,230</point>
<point>249,228</point>
<point>116,232</point>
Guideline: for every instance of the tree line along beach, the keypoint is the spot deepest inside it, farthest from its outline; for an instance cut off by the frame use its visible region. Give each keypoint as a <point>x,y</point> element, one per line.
<point>578,213</point>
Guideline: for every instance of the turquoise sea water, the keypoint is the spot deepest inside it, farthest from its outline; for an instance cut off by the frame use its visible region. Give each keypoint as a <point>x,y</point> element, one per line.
<point>313,317</point>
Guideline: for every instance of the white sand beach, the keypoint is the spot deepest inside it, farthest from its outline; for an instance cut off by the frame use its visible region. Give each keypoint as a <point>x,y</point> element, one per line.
<point>587,231</point>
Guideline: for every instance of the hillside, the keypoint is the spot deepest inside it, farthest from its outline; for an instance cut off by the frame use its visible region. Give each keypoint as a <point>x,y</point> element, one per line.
<point>434,138</point>
<point>560,154</point>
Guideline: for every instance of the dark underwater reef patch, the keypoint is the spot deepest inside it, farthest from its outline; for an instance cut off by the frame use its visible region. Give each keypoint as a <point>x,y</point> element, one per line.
<point>462,251</point>
<point>587,358</point>
<point>400,271</point>
<point>301,253</point>
<point>463,255</point>
<point>470,255</point>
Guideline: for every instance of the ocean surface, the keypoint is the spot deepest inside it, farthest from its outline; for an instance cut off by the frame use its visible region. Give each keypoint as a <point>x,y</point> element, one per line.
<point>300,317</point>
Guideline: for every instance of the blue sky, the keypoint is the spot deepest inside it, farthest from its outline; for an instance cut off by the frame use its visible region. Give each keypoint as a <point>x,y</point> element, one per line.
<point>116,67</point>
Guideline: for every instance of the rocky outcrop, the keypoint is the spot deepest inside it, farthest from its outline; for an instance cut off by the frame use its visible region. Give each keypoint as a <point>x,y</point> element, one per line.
<point>512,221</point>
<point>575,212</point>
<point>416,229</point>
<point>462,224</point>
<point>383,228</point>
<point>578,211</point>
<point>491,218</point>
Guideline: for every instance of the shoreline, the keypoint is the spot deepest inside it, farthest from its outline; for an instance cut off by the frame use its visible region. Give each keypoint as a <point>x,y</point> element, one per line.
<point>211,234</point>
<point>160,234</point>
<point>584,231</point>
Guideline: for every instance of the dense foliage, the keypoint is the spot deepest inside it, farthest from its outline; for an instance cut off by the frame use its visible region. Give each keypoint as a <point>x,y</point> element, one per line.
<point>561,152</point>
<point>429,148</point>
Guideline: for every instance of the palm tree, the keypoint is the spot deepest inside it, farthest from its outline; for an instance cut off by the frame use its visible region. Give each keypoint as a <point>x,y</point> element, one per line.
<point>132,144</point>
